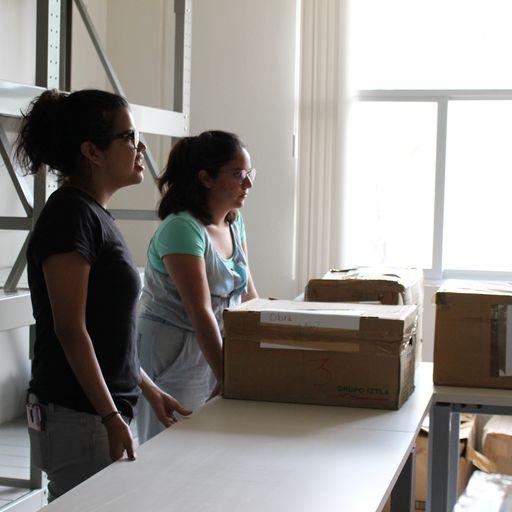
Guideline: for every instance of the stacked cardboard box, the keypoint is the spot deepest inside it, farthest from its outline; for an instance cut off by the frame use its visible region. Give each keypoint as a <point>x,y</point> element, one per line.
<point>473,335</point>
<point>466,445</point>
<point>358,355</point>
<point>384,285</point>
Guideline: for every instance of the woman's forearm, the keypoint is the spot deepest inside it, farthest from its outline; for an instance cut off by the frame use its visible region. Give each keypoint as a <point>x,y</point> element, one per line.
<point>189,275</point>
<point>80,354</point>
<point>209,338</point>
<point>148,387</point>
<point>251,290</point>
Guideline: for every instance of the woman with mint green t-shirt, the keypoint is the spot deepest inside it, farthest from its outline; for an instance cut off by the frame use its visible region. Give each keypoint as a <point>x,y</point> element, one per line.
<point>197,267</point>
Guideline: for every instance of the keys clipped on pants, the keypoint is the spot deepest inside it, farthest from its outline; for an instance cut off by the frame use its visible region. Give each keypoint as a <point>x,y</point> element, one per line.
<point>35,417</point>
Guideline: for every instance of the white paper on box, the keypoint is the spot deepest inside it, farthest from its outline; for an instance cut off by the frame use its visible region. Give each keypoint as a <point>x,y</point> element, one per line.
<point>330,319</point>
<point>318,346</point>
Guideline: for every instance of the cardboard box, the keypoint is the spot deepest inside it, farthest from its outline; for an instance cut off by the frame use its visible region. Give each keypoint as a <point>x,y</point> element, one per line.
<point>358,355</point>
<point>497,443</point>
<point>384,285</point>
<point>466,444</point>
<point>473,335</point>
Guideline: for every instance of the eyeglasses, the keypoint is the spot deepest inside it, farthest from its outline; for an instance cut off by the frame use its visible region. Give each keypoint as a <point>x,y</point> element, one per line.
<point>132,136</point>
<point>243,174</point>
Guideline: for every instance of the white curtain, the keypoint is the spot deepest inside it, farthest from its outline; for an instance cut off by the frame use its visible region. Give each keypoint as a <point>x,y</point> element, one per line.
<point>322,109</point>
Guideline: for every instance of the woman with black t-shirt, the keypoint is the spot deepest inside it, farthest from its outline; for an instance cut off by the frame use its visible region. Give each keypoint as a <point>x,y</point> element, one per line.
<point>84,286</point>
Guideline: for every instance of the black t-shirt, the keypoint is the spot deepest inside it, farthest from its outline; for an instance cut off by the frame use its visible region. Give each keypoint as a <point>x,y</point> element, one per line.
<point>72,221</point>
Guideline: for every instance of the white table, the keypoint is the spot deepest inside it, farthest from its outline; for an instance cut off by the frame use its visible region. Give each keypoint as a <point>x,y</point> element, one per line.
<point>447,404</point>
<point>255,456</point>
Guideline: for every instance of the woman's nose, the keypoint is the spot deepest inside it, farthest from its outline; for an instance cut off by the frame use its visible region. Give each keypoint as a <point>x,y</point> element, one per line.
<point>247,182</point>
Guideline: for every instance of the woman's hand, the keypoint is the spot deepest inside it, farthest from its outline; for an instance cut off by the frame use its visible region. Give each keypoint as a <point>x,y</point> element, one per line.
<point>165,406</point>
<point>119,438</point>
<point>161,402</point>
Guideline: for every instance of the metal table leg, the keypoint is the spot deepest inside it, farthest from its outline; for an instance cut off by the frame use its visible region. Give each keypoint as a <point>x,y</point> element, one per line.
<point>440,468</point>
<point>402,497</point>
<point>453,463</point>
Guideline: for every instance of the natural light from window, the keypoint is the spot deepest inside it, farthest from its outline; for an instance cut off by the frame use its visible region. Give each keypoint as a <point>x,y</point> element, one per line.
<point>430,44</point>
<point>478,203</point>
<point>430,119</point>
<point>391,157</point>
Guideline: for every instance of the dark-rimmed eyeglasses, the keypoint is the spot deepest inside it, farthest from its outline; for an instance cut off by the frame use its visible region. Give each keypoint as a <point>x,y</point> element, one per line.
<point>132,136</point>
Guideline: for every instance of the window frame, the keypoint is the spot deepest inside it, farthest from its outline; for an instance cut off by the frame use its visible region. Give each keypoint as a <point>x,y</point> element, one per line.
<point>441,98</point>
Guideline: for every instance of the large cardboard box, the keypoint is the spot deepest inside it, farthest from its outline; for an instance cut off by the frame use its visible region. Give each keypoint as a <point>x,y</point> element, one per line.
<point>385,285</point>
<point>497,443</point>
<point>356,355</point>
<point>466,445</point>
<point>473,335</point>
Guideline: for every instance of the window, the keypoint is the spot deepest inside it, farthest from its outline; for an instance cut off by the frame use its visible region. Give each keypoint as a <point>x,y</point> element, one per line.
<point>429,159</point>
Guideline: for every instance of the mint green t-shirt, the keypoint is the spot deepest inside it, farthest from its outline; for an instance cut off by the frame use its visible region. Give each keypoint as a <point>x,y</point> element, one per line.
<point>182,233</point>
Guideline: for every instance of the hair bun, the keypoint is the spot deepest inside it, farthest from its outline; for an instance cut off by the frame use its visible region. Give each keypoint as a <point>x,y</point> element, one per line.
<point>56,123</point>
<point>42,130</point>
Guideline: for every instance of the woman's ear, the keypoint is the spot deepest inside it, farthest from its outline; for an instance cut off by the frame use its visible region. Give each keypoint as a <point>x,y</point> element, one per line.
<point>91,152</point>
<point>205,179</point>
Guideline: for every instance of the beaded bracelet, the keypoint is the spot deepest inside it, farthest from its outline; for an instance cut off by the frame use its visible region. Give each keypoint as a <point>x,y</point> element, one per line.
<point>109,416</point>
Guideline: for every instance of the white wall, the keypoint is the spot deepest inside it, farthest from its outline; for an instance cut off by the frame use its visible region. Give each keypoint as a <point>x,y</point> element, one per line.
<point>86,70</point>
<point>18,40</point>
<point>140,45</point>
<point>243,80</point>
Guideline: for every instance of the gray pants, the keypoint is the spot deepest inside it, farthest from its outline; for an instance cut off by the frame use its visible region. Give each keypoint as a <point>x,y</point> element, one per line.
<point>173,360</point>
<point>72,447</point>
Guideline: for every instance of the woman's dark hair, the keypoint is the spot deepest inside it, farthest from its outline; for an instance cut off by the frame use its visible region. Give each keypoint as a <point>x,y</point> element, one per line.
<point>56,123</point>
<point>179,182</point>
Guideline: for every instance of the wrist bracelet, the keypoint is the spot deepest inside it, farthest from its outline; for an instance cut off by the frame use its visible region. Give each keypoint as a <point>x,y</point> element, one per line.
<point>109,416</point>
